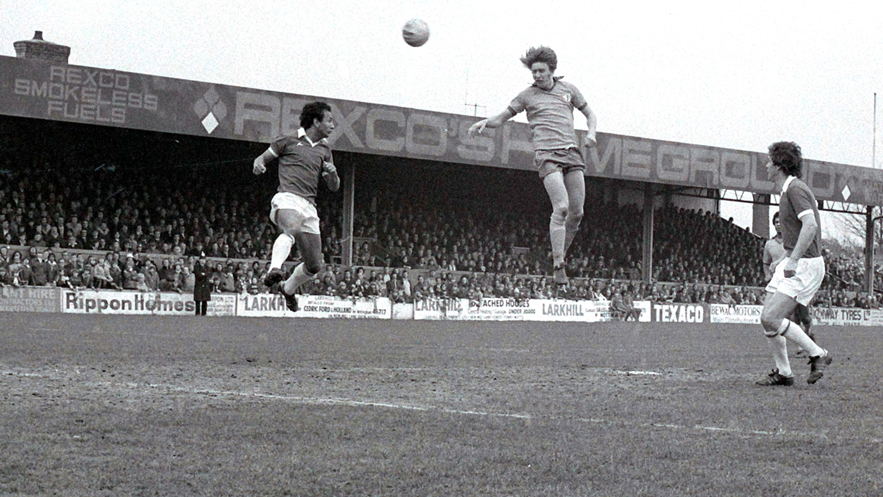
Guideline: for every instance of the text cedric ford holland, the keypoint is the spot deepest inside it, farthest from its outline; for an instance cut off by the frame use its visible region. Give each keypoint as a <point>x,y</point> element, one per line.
<point>87,94</point>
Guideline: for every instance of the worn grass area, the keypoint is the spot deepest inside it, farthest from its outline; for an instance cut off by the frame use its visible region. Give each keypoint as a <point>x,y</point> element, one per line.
<point>93,405</point>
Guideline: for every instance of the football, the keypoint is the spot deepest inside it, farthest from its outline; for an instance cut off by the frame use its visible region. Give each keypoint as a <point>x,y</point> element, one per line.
<point>415,32</point>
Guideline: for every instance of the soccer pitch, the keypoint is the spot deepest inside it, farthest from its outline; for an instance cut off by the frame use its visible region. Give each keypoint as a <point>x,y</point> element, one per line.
<point>112,405</point>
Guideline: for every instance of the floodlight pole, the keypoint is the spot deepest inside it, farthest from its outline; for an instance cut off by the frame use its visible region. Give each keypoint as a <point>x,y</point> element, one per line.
<point>870,220</point>
<point>869,249</point>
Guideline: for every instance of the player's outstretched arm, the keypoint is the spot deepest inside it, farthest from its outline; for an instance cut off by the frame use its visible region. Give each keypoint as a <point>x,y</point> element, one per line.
<point>260,163</point>
<point>491,122</point>
<point>768,267</point>
<point>591,125</point>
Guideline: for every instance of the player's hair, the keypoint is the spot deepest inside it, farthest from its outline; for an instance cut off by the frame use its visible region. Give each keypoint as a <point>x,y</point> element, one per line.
<point>540,54</point>
<point>787,157</point>
<point>311,112</point>
<point>775,216</point>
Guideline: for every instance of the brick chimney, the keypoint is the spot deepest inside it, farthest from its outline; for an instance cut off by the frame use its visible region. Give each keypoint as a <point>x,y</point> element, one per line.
<point>40,49</point>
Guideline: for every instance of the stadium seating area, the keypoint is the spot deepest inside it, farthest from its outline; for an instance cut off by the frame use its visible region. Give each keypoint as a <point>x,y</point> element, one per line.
<point>477,242</point>
<point>690,246</point>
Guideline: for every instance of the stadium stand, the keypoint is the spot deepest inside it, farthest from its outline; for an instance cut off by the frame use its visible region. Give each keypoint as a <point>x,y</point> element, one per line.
<point>141,228</point>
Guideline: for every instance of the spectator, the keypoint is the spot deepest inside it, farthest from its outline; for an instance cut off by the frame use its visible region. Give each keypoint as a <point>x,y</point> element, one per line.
<point>329,285</point>
<point>202,285</point>
<point>226,280</point>
<point>621,309</point>
<point>342,290</point>
<point>406,285</point>
<point>7,236</point>
<point>39,269</point>
<point>129,275</point>
<point>113,270</point>
<point>420,290</point>
<point>254,282</point>
<point>187,280</point>
<point>25,274</point>
<point>53,272</point>
<point>101,274</point>
<point>63,279</point>
<point>141,283</point>
<point>167,276</point>
<point>151,275</point>
<point>75,270</point>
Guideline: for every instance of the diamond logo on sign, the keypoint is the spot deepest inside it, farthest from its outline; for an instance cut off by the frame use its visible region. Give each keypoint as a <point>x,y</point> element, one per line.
<point>846,193</point>
<point>210,109</point>
<point>210,123</point>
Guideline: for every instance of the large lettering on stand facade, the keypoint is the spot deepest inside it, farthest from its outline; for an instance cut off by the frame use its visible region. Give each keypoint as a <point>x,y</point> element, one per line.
<point>62,92</point>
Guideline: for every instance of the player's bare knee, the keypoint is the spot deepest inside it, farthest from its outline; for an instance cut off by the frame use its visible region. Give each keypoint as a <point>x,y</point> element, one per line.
<point>770,322</point>
<point>573,219</point>
<point>559,216</point>
<point>801,312</point>
<point>312,267</point>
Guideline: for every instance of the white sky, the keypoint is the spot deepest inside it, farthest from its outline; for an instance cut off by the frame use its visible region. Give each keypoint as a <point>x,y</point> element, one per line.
<point>738,74</point>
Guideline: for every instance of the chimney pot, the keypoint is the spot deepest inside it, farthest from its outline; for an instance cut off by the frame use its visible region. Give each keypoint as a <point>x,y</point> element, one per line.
<point>40,49</point>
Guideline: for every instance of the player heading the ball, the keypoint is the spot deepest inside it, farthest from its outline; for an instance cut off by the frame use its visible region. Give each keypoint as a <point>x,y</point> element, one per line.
<point>549,103</point>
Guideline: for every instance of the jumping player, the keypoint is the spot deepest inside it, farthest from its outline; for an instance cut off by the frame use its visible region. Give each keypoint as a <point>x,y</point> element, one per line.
<point>549,103</point>
<point>773,254</point>
<point>798,277</point>
<point>302,160</point>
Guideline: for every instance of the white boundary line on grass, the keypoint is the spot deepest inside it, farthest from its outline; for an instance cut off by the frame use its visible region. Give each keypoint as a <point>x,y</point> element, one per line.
<point>387,405</point>
<point>526,417</point>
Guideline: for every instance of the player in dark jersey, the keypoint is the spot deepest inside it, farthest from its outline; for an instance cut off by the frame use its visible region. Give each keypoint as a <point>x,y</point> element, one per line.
<point>773,254</point>
<point>303,159</point>
<point>549,104</point>
<point>798,277</point>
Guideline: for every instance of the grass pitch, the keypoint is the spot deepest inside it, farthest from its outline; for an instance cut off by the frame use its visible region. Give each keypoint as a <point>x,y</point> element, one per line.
<point>105,405</point>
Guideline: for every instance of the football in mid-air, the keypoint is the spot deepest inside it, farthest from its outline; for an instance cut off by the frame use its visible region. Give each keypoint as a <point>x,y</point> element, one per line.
<point>415,32</point>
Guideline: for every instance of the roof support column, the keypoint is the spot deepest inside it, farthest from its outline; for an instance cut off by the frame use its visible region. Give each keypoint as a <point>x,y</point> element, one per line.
<point>647,262</point>
<point>349,200</point>
<point>760,215</point>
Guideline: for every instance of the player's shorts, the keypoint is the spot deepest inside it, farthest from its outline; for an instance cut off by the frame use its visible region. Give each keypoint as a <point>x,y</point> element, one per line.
<point>307,219</point>
<point>806,281</point>
<point>564,160</point>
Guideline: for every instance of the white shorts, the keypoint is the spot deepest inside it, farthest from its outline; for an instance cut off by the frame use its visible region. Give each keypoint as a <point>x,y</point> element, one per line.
<point>307,217</point>
<point>806,281</point>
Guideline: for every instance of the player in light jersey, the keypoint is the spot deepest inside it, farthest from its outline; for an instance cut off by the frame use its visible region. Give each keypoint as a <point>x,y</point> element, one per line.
<point>773,250</point>
<point>550,103</point>
<point>773,254</point>
<point>798,277</point>
<point>303,159</point>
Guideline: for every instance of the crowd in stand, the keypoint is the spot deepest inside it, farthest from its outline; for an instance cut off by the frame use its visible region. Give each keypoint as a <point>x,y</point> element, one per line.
<point>690,246</point>
<point>151,225</point>
<point>141,272</point>
<point>395,283</point>
<point>43,267</point>
<point>847,273</point>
